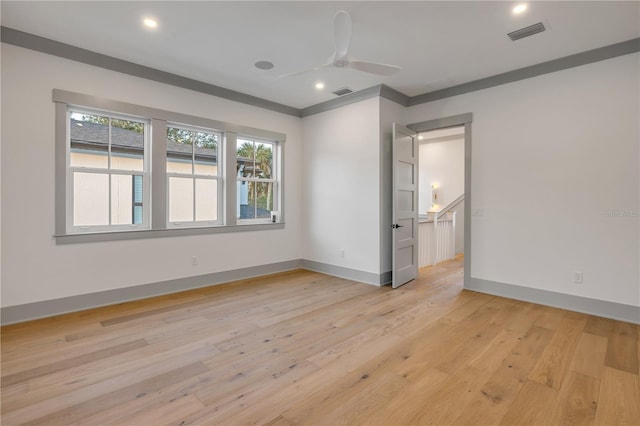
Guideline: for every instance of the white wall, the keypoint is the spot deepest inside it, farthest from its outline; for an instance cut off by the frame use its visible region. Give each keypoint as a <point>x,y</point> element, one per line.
<point>550,155</point>
<point>34,268</point>
<point>341,156</point>
<point>441,163</point>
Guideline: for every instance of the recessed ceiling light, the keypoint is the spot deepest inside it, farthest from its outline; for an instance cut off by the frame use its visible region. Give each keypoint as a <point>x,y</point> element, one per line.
<point>263,65</point>
<point>319,85</point>
<point>150,23</point>
<point>420,137</point>
<point>519,9</point>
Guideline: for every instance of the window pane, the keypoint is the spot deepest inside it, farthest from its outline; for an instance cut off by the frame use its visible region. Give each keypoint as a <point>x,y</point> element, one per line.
<point>179,151</point>
<point>137,189</point>
<point>255,200</point>
<point>206,155</point>
<point>127,145</point>
<point>264,160</point>
<point>90,199</point>
<point>137,215</point>
<point>180,199</point>
<point>121,200</point>
<point>138,198</point>
<point>264,199</point>
<point>246,197</point>
<point>206,199</point>
<point>89,135</point>
<point>245,155</point>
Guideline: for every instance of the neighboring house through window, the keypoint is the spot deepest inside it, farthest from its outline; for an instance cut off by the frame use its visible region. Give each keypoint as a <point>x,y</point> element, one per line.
<point>107,171</point>
<point>193,175</point>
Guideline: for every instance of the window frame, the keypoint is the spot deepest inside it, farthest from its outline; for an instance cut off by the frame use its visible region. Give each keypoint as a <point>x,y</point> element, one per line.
<point>274,180</point>
<point>157,206</point>
<point>220,148</point>
<point>71,170</point>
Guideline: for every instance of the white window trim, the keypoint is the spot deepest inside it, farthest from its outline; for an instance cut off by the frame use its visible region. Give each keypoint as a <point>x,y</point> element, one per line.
<point>221,148</point>
<point>275,179</point>
<point>83,229</point>
<point>157,223</point>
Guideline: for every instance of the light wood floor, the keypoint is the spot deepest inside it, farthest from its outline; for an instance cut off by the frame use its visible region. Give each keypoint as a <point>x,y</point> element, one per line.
<point>305,348</point>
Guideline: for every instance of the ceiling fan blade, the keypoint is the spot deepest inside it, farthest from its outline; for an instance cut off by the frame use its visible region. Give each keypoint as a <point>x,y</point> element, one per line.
<point>309,70</point>
<point>374,68</point>
<point>341,34</point>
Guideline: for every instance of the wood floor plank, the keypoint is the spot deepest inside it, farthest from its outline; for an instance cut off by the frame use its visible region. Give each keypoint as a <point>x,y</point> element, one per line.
<point>599,326</point>
<point>622,353</point>
<point>279,421</point>
<point>91,380</point>
<point>62,350</point>
<point>618,398</point>
<point>589,358</point>
<point>64,410</point>
<point>152,312</point>
<point>530,407</point>
<point>495,397</point>
<point>553,365</point>
<point>71,362</point>
<point>421,385</point>
<point>161,411</point>
<point>491,357</point>
<point>550,318</point>
<point>77,412</point>
<point>460,387</point>
<point>462,312</point>
<point>347,411</point>
<point>577,401</point>
<point>625,329</point>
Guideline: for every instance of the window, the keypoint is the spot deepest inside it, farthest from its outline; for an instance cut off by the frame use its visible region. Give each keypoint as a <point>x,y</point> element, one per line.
<point>256,189</point>
<point>128,171</point>
<point>193,175</point>
<point>107,171</point>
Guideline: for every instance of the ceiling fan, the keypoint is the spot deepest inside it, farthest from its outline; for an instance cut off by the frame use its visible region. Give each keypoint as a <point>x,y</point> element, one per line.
<point>341,58</point>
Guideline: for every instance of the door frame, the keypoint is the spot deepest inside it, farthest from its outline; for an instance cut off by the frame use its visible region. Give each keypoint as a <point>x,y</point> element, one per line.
<point>454,121</point>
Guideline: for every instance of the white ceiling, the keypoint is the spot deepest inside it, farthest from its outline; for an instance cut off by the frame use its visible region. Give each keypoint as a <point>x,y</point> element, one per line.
<point>438,44</point>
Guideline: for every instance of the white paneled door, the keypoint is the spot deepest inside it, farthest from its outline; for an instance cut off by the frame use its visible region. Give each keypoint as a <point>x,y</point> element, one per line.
<point>405,206</point>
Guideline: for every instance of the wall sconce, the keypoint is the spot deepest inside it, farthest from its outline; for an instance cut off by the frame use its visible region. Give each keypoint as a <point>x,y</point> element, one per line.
<point>435,194</point>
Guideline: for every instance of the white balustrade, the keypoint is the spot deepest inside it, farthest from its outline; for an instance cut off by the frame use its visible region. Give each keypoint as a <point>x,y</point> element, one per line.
<point>436,239</point>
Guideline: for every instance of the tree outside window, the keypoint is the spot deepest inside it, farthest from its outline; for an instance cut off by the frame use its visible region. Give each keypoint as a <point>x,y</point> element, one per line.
<point>254,167</point>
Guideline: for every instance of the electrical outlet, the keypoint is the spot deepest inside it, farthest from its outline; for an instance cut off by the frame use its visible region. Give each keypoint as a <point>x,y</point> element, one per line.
<point>577,277</point>
<point>341,252</point>
<point>194,260</point>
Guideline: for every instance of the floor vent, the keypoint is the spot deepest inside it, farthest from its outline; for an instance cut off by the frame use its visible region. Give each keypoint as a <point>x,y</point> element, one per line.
<point>343,91</point>
<point>526,31</point>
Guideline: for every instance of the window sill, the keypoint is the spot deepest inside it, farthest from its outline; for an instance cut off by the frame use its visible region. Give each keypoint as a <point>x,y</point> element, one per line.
<point>161,233</point>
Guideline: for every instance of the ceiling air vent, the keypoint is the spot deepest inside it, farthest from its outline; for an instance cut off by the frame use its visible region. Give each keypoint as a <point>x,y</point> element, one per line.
<point>343,91</point>
<point>526,31</point>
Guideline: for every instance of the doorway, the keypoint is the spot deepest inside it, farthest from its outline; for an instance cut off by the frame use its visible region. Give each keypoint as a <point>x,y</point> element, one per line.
<point>463,122</point>
<point>441,195</point>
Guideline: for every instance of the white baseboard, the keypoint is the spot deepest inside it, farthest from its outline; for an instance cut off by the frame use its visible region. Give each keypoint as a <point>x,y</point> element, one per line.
<point>347,273</point>
<point>601,308</point>
<point>48,308</point>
